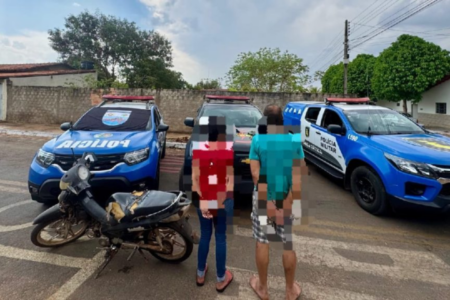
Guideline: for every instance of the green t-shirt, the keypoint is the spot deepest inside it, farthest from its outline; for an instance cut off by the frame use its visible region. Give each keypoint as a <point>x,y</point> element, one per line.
<point>276,153</point>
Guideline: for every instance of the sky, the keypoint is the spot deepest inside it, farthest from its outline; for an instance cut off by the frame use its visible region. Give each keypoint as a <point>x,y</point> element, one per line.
<point>208,35</point>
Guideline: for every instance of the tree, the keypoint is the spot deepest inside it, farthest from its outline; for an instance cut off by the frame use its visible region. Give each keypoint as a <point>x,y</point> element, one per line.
<point>111,43</point>
<point>314,90</point>
<point>208,84</point>
<point>360,71</point>
<point>148,73</point>
<point>333,80</point>
<point>268,70</point>
<point>408,68</point>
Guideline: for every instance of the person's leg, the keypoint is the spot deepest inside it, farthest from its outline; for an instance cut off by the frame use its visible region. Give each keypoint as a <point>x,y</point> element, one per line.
<point>293,289</point>
<point>203,247</point>
<point>262,264</point>
<point>220,224</point>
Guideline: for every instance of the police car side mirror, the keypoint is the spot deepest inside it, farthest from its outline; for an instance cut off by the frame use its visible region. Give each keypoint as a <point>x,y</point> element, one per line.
<point>66,126</point>
<point>162,128</point>
<point>189,122</point>
<point>336,129</point>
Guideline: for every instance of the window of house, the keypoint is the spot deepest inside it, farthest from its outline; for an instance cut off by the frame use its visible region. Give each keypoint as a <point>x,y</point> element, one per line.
<point>441,108</point>
<point>312,114</point>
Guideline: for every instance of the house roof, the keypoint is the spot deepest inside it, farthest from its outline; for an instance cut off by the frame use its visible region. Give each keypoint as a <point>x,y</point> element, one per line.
<point>43,73</point>
<point>446,78</point>
<point>28,67</point>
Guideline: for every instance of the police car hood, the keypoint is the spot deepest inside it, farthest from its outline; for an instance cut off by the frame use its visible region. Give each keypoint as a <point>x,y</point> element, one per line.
<point>243,139</point>
<point>99,142</point>
<point>426,148</point>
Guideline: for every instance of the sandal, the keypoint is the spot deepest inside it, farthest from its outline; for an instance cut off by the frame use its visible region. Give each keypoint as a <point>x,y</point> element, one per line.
<point>228,280</point>
<point>201,280</point>
<point>254,280</point>
<point>300,290</point>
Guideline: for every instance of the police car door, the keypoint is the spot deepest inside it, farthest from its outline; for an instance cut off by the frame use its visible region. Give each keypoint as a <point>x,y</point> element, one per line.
<point>329,142</point>
<point>159,134</point>
<point>308,130</point>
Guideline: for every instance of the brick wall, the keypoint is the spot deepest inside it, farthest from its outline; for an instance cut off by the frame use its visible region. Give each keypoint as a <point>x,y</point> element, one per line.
<point>43,105</point>
<point>46,105</point>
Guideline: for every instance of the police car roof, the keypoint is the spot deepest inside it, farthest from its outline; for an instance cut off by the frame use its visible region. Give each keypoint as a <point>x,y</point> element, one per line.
<point>136,105</point>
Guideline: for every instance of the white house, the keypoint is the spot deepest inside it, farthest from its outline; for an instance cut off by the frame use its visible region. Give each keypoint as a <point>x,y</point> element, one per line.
<point>44,74</point>
<point>432,110</point>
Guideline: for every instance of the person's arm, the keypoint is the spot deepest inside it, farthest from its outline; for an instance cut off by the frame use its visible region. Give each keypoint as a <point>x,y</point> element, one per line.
<point>196,173</point>
<point>230,175</point>
<point>255,165</point>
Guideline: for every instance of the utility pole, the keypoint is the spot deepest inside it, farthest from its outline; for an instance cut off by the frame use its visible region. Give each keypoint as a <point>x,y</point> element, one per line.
<point>346,56</point>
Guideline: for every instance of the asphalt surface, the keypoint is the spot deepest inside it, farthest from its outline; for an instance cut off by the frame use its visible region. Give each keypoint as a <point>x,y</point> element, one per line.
<point>343,253</point>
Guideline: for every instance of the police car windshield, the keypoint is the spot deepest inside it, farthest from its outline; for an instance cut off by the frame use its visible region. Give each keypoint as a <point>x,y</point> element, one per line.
<point>238,115</point>
<point>114,119</point>
<point>381,122</point>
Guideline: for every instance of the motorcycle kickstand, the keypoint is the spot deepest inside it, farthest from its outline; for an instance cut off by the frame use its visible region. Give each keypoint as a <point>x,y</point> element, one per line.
<point>109,255</point>
<point>143,255</point>
<point>132,253</point>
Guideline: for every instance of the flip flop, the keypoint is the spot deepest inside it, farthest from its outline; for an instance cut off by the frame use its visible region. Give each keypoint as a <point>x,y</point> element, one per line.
<point>254,279</point>
<point>204,277</point>
<point>228,273</point>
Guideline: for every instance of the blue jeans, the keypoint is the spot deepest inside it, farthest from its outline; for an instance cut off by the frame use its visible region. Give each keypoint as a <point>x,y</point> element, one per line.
<point>220,221</point>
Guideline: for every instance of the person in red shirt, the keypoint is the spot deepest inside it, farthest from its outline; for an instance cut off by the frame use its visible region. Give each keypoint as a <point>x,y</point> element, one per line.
<point>212,180</point>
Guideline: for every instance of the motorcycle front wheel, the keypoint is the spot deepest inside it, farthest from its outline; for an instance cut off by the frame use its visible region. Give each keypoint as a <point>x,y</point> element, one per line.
<point>56,233</point>
<point>175,240</point>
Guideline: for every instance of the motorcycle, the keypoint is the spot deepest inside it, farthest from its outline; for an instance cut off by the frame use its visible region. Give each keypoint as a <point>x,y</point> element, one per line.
<point>154,221</point>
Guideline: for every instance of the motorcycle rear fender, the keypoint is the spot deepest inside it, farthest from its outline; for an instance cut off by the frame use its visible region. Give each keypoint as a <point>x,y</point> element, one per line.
<point>53,213</point>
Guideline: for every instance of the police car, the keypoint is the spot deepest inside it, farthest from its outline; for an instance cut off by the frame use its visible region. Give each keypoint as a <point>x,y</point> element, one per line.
<point>243,117</point>
<point>127,135</point>
<point>386,159</point>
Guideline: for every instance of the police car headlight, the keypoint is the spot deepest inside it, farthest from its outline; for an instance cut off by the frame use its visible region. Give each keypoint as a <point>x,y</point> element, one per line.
<point>83,172</point>
<point>136,157</point>
<point>411,167</point>
<point>44,158</point>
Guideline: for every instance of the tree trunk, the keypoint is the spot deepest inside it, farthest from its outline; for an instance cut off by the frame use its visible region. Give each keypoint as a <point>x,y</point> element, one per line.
<point>405,106</point>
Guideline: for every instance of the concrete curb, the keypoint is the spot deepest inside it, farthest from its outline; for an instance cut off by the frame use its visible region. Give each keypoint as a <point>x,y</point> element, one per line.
<point>53,135</point>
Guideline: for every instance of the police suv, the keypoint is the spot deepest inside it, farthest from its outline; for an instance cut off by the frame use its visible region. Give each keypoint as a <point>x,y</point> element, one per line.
<point>386,159</point>
<point>127,135</point>
<point>243,117</point>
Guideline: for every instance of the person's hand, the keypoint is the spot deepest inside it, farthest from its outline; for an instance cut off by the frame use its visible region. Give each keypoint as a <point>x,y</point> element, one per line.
<point>274,214</point>
<point>206,214</point>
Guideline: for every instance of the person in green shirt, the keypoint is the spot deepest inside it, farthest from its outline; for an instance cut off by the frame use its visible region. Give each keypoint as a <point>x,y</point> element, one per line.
<point>276,158</point>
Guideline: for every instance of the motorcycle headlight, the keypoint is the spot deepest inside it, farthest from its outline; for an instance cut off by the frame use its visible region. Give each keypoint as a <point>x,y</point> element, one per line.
<point>136,157</point>
<point>83,172</point>
<point>45,158</point>
<point>411,167</point>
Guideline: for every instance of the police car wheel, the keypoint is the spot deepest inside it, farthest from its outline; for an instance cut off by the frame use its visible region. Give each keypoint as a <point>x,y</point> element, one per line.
<point>368,190</point>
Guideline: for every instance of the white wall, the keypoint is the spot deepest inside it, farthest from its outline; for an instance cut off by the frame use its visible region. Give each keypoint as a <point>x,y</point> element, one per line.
<point>3,99</point>
<point>398,106</point>
<point>440,93</point>
<point>64,80</point>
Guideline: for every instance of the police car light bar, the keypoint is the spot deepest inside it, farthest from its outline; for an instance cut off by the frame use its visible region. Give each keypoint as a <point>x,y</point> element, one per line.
<point>227,98</point>
<point>347,100</point>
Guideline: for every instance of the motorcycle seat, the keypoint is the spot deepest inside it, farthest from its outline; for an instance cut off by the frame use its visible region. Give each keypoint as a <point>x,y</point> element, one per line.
<point>149,203</point>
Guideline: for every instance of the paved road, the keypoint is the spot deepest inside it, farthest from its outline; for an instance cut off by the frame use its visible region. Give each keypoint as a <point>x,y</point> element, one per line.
<point>344,253</point>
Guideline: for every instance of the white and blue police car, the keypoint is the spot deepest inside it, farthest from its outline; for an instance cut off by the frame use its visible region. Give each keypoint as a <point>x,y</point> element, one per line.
<point>127,135</point>
<point>387,160</point>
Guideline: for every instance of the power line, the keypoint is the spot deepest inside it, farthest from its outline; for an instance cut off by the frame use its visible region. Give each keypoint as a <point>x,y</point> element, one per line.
<point>332,43</point>
<point>364,11</point>
<point>392,15</point>
<point>375,12</point>
<point>397,22</point>
<point>399,30</point>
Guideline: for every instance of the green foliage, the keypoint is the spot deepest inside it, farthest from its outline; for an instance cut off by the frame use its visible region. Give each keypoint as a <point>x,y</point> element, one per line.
<point>333,80</point>
<point>153,74</point>
<point>314,90</point>
<point>268,70</point>
<point>115,46</point>
<point>360,72</point>
<point>408,68</point>
<point>208,84</point>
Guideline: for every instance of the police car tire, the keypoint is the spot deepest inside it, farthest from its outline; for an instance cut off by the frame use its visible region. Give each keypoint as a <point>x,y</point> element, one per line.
<point>379,207</point>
